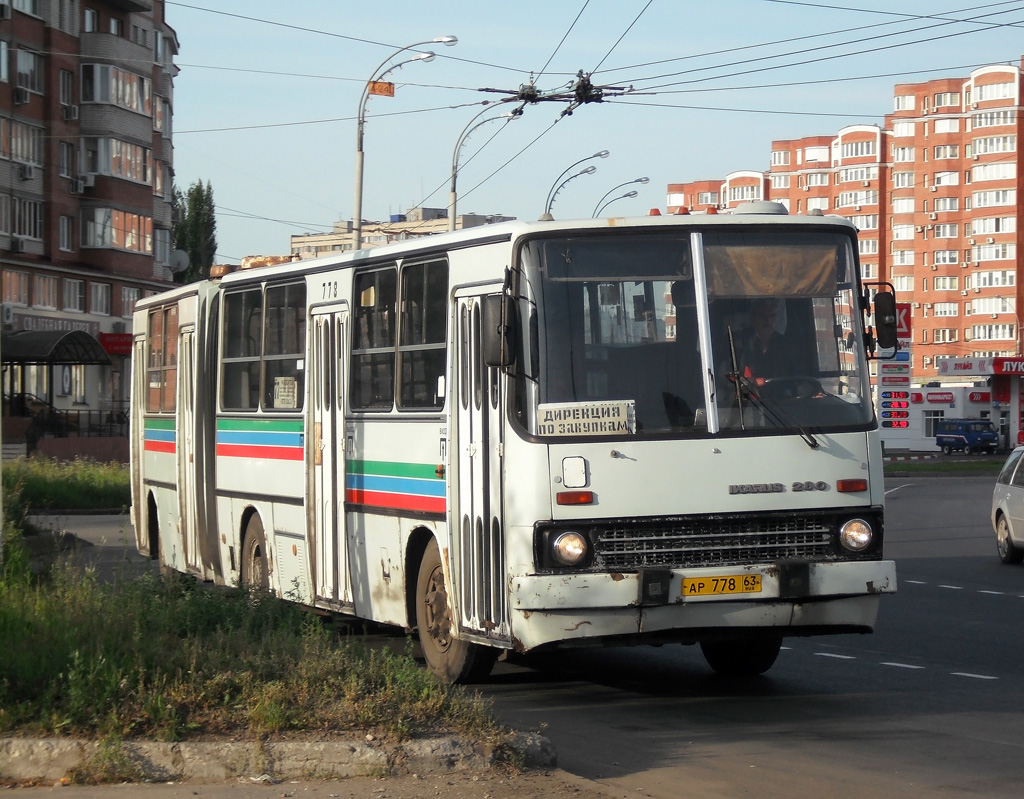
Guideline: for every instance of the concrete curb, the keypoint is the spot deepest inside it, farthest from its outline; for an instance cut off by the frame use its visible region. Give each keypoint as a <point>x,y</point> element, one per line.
<point>51,759</point>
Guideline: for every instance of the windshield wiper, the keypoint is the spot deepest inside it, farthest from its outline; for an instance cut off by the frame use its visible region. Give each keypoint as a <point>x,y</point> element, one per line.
<point>746,386</point>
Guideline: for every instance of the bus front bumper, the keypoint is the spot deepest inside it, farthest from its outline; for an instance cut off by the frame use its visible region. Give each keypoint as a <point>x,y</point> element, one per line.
<point>793,599</point>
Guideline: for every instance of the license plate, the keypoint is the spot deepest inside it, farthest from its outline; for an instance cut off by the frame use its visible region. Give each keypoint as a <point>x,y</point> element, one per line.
<point>724,584</point>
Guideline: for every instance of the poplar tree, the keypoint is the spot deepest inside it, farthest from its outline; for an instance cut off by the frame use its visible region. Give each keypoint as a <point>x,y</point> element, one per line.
<point>195,230</point>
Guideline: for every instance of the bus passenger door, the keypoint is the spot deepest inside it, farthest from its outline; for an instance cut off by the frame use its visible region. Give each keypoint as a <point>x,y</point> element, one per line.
<point>478,527</point>
<point>187,511</point>
<point>326,441</point>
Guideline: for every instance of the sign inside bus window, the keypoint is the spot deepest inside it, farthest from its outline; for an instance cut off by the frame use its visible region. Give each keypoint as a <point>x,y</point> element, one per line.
<point>616,417</point>
<point>286,392</point>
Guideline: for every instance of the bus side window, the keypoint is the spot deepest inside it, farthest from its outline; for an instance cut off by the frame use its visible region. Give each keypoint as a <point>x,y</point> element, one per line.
<point>243,321</point>
<point>422,351</point>
<point>372,373</point>
<point>284,345</point>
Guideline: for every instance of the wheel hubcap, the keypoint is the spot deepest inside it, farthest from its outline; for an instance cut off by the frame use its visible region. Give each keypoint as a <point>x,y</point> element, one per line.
<point>437,614</point>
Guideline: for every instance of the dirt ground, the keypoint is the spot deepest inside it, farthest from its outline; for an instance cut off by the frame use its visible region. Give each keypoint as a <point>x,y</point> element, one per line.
<point>479,785</point>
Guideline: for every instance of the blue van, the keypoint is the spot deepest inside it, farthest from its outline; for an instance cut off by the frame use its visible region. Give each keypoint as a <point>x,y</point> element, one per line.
<point>969,435</point>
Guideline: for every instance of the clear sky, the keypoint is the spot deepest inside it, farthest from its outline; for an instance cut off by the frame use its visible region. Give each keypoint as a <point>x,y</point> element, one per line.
<point>266,101</point>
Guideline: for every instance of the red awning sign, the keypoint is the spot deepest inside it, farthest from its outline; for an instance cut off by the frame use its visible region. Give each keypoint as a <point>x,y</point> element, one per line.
<point>116,343</point>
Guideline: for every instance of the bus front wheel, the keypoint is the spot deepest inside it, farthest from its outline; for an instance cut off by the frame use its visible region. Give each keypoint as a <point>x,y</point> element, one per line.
<point>741,658</point>
<point>255,573</point>
<point>449,658</point>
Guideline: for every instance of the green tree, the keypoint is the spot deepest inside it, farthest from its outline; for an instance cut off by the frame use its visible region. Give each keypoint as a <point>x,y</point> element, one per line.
<point>196,230</point>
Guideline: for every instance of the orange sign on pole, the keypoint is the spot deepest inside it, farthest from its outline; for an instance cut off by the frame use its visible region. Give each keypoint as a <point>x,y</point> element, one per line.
<point>382,88</point>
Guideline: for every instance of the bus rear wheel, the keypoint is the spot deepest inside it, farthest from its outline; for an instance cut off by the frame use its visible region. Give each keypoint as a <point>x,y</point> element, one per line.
<point>450,659</point>
<point>255,573</point>
<point>741,658</point>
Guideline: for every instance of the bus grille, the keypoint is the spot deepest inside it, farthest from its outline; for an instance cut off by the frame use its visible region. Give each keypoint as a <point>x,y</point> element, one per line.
<point>684,543</point>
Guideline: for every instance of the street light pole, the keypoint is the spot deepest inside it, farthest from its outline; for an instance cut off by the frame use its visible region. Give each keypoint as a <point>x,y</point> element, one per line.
<point>376,75</point>
<point>627,196</point>
<point>558,184</point>
<point>452,196</point>
<point>599,207</point>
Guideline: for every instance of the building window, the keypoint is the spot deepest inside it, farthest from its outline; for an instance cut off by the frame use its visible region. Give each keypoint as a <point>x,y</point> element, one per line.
<point>865,221</point>
<point>819,178</point>
<point>102,83</point>
<point>707,198</point>
<point>903,205</point>
<point>988,199</point>
<point>74,295</point>
<point>110,227</point>
<point>78,384</point>
<point>903,154</point>
<point>780,181</point>
<point>119,159</point>
<point>946,257</point>
<point>989,119</point>
<point>903,129</point>
<point>904,102</point>
<point>947,204</point>
<point>946,309</point>
<point>855,173</point>
<point>903,232</point>
<point>738,193</point>
<point>931,421</point>
<point>945,335</point>
<point>995,332</point>
<point>945,232</point>
<point>5,76</point>
<point>995,144</point>
<point>100,299</point>
<point>5,213</point>
<point>951,178</point>
<point>994,252</point>
<point>867,246</point>
<point>946,283</point>
<point>817,203</point>
<point>30,71</point>
<point>993,91</point>
<point>44,294</point>
<point>26,143</point>
<point>903,180</point>
<point>27,218</point>
<point>947,99</point>
<point>780,158</point>
<point>67,87</point>
<point>993,224</point>
<point>15,287</point>
<point>1000,170</point>
<point>903,258</point>
<point>129,296</point>
<point>91,22</point>
<point>816,154</point>
<point>859,149</point>
<point>946,126</point>
<point>947,151</point>
<point>67,159</point>
<point>67,239</point>
<point>116,26</point>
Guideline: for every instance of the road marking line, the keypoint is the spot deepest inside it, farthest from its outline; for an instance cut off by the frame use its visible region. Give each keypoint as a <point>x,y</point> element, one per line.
<point>903,666</point>
<point>897,488</point>
<point>832,655</point>
<point>915,582</point>
<point>994,593</point>
<point>952,587</point>
<point>973,676</point>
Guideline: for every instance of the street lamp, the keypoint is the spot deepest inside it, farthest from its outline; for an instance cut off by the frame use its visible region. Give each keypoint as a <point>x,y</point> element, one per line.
<point>627,196</point>
<point>599,207</point>
<point>509,116</point>
<point>559,183</point>
<point>375,76</point>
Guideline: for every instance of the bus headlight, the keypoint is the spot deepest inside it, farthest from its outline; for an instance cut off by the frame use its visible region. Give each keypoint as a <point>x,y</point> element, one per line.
<point>569,548</point>
<point>855,535</point>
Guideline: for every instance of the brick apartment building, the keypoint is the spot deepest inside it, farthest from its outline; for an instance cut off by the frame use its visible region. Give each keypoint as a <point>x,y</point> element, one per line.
<point>86,162</point>
<point>937,195</point>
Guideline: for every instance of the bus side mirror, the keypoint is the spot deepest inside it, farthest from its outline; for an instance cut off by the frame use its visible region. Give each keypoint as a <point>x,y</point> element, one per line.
<point>885,320</point>
<point>499,330</point>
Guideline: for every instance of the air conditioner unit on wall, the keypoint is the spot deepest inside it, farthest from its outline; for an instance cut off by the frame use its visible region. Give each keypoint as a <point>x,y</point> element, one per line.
<point>70,113</point>
<point>26,171</point>
<point>17,245</point>
<point>77,186</point>
<point>990,240</point>
<point>88,180</point>
<point>963,293</point>
<point>7,314</point>
<point>5,11</point>
<point>933,215</point>
<point>20,95</point>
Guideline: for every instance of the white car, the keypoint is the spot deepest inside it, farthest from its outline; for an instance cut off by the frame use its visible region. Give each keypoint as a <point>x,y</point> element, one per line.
<point>1008,509</point>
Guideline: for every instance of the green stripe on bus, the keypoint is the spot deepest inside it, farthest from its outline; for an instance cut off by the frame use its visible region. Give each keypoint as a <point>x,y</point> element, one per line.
<point>391,469</point>
<point>275,425</point>
<point>159,424</point>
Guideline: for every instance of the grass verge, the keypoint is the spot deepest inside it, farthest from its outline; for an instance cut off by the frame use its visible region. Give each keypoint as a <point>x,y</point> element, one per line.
<point>44,484</point>
<point>981,465</point>
<point>165,658</point>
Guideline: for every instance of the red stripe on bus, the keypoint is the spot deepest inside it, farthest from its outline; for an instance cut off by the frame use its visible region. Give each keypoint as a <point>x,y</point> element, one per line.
<point>267,453</point>
<point>160,446</point>
<point>381,499</point>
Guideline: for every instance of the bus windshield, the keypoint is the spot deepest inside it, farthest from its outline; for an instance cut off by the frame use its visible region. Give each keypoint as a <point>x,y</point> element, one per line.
<point>723,331</point>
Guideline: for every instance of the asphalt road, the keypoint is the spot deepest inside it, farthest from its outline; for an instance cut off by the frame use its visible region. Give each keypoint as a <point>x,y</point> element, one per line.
<point>928,705</point>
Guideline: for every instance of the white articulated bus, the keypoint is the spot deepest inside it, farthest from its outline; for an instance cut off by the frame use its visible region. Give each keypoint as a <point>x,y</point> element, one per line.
<point>531,435</point>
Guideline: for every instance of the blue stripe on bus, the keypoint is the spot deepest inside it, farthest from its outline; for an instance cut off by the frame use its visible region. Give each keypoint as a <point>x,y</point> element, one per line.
<point>153,434</point>
<point>266,439</point>
<point>396,485</point>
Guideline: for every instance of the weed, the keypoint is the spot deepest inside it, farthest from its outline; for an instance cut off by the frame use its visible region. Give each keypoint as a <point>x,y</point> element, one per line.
<point>111,763</point>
